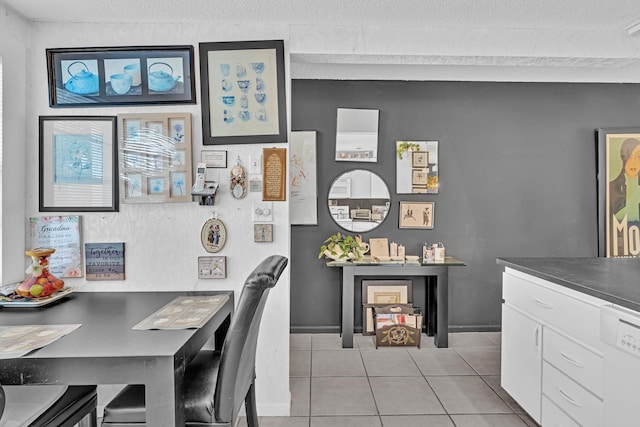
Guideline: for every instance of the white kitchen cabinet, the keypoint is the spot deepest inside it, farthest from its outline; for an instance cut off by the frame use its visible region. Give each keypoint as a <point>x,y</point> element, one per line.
<point>552,361</point>
<point>361,184</point>
<point>522,359</point>
<point>378,188</point>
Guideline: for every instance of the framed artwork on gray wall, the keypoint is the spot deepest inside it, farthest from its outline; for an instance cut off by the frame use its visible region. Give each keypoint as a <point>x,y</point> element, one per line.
<point>99,76</point>
<point>417,167</point>
<point>416,215</point>
<point>618,192</point>
<point>243,92</point>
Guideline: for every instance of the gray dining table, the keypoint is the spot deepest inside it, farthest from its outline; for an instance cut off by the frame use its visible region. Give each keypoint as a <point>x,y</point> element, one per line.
<point>106,350</point>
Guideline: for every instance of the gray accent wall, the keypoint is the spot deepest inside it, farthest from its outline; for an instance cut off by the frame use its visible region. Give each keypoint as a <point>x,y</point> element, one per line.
<point>517,172</point>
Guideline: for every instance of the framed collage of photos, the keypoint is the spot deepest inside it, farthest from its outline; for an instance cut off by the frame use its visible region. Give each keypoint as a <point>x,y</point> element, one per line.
<point>155,157</point>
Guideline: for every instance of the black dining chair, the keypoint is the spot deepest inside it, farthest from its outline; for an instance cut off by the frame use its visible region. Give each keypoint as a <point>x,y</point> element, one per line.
<point>76,406</point>
<point>216,383</point>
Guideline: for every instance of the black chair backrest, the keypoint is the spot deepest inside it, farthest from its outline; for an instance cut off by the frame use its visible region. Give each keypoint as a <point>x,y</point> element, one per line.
<point>238,358</point>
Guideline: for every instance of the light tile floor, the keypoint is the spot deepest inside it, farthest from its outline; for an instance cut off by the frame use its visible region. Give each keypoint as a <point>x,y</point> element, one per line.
<point>396,387</point>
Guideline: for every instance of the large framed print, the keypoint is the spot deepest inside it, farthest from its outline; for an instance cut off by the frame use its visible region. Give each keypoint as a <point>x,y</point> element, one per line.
<point>98,76</point>
<point>303,188</point>
<point>243,92</point>
<point>618,192</point>
<point>77,164</point>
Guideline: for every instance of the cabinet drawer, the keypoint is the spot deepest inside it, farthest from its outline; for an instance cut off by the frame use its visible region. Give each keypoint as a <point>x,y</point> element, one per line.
<point>582,365</point>
<point>575,317</point>
<point>552,416</point>
<point>581,405</point>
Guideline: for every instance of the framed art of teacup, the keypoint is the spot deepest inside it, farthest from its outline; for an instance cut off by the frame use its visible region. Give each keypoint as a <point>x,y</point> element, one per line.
<point>120,83</point>
<point>85,77</point>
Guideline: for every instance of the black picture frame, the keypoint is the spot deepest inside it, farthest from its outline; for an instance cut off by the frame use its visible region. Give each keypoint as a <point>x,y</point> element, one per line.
<point>86,77</point>
<point>243,92</point>
<point>618,221</point>
<point>78,164</point>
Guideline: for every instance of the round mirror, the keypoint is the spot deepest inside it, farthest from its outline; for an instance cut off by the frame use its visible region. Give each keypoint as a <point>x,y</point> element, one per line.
<point>358,200</point>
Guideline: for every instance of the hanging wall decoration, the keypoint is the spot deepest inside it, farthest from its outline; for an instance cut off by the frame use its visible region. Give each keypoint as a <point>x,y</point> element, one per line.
<point>213,235</point>
<point>238,181</point>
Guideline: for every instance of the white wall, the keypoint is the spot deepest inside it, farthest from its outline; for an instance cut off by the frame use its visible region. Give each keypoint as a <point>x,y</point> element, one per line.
<point>162,241</point>
<point>14,44</point>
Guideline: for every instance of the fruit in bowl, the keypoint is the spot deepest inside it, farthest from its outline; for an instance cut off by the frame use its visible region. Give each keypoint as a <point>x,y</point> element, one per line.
<point>39,282</point>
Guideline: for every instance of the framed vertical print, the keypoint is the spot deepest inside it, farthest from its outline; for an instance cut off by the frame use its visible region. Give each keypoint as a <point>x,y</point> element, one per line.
<point>274,170</point>
<point>243,92</point>
<point>618,192</point>
<point>416,215</point>
<point>303,190</point>
<point>77,164</point>
<point>119,75</point>
<point>155,157</point>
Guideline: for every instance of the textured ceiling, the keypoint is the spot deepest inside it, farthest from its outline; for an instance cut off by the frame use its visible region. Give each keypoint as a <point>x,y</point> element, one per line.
<point>590,40</point>
<point>532,14</point>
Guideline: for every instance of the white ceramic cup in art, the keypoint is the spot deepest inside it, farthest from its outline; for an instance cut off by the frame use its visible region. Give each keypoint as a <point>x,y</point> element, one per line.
<point>133,70</point>
<point>121,83</point>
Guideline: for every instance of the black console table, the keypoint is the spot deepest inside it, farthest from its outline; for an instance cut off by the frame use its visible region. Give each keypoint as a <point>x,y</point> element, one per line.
<point>437,311</point>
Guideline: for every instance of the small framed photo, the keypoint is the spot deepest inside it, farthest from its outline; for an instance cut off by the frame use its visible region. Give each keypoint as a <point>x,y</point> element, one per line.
<point>214,158</point>
<point>416,215</point>
<point>263,232</point>
<point>212,267</point>
<point>420,176</point>
<point>419,159</point>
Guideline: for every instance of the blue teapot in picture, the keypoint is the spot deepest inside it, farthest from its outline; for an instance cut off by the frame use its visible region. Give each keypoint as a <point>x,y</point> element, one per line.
<point>161,81</point>
<point>83,82</point>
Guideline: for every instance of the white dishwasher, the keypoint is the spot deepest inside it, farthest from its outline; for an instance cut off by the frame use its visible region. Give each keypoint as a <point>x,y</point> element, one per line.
<point>620,332</point>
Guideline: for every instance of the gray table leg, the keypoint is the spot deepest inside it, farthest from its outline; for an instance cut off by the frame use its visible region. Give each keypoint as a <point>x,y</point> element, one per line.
<point>441,339</point>
<point>348,276</point>
<point>163,395</point>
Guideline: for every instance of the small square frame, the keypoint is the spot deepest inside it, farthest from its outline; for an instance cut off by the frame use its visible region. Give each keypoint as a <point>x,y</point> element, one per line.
<point>263,233</point>
<point>419,159</point>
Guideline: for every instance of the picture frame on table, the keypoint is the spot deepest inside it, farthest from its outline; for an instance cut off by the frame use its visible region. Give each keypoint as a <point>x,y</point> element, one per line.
<point>618,213</point>
<point>243,92</point>
<point>120,75</point>
<point>155,157</point>
<point>78,167</point>
<point>417,215</point>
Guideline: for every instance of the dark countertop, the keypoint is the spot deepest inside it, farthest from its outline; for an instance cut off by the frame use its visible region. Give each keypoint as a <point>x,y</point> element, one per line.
<point>616,280</point>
